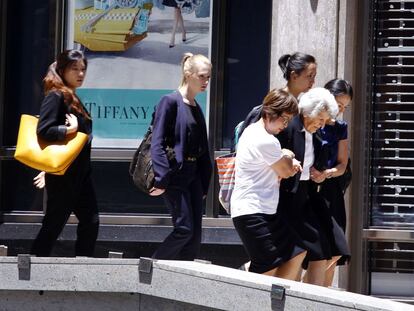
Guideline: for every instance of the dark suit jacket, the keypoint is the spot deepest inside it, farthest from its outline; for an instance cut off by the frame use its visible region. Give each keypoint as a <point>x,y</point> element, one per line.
<point>171,121</point>
<point>51,126</point>
<point>293,138</point>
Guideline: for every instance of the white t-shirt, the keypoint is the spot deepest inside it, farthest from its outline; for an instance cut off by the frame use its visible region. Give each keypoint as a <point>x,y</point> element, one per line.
<point>256,187</point>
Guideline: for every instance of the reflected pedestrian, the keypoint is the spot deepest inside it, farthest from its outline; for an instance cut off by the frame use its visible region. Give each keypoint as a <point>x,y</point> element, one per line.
<point>178,20</point>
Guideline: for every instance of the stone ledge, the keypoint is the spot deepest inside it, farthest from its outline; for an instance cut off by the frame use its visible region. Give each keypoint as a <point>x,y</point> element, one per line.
<point>194,283</point>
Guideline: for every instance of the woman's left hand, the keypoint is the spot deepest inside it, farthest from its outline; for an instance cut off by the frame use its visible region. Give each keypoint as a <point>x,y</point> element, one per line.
<point>296,166</point>
<point>156,191</point>
<point>39,180</point>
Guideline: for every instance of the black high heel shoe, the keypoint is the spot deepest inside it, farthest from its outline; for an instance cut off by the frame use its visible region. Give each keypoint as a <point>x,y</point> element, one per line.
<point>172,42</point>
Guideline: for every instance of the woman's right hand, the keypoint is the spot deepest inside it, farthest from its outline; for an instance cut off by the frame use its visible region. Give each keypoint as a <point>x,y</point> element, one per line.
<point>317,176</point>
<point>156,191</point>
<point>71,123</point>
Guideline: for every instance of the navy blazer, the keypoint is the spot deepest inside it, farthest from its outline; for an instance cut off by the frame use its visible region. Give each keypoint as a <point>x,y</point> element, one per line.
<point>169,111</point>
<point>293,138</point>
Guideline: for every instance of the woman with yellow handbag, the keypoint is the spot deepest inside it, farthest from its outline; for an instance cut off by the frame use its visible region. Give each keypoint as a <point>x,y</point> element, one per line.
<point>62,114</point>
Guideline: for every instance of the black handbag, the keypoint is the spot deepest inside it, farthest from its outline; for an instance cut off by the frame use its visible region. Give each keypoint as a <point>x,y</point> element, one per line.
<point>141,168</point>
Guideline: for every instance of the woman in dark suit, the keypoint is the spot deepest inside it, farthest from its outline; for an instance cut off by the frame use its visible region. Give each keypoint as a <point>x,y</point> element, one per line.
<point>335,134</point>
<point>302,137</point>
<point>179,122</point>
<point>61,114</point>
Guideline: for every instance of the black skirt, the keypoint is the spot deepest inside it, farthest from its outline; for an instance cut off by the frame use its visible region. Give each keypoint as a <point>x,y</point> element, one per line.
<point>331,191</point>
<point>264,240</point>
<point>304,226</point>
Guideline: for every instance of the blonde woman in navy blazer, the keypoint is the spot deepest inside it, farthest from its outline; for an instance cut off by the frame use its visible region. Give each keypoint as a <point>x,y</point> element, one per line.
<point>184,182</point>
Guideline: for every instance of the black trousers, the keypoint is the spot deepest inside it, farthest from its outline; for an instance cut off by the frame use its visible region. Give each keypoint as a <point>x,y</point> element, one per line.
<point>184,199</point>
<point>66,194</point>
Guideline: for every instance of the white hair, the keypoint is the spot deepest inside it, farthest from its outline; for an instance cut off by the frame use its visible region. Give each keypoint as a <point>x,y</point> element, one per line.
<point>318,100</point>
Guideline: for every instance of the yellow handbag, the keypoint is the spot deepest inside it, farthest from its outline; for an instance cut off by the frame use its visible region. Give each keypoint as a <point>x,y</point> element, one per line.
<point>51,157</point>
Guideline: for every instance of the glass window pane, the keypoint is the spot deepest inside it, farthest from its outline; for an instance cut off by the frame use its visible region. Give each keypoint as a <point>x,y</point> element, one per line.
<point>18,192</point>
<point>247,66</point>
<point>115,190</point>
<point>130,69</point>
<point>116,193</point>
<point>29,47</point>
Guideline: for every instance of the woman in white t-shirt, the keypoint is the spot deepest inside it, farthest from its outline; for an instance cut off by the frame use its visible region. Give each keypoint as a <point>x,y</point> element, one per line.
<point>260,163</point>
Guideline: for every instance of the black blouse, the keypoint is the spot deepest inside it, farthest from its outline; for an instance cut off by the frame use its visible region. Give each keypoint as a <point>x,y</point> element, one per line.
<point>195,118</point>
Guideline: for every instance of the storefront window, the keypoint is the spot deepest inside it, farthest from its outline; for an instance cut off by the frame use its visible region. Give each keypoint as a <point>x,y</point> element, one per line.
<point>247,67</point>
<point>134,52</point>
<point>133,61</point>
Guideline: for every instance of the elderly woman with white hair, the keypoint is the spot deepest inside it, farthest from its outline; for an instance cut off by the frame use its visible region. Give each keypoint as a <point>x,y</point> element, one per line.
<point>303,229</point>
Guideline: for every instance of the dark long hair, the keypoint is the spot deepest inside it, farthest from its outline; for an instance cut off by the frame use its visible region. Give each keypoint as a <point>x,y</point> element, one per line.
<point>54,80</point>
<point>339,87</point>
<point>296,62</point>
